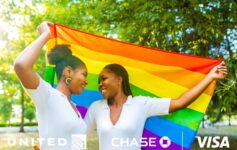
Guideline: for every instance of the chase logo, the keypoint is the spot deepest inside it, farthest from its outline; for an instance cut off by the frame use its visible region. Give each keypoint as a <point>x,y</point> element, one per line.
<point>165,142</point>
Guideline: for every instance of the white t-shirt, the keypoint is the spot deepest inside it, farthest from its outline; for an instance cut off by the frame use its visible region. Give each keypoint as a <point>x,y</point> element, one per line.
<point>130,124</point>
<point>57,120</point>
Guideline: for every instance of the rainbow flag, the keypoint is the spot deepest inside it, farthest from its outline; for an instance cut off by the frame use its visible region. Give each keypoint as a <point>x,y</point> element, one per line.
<point>152,72</point>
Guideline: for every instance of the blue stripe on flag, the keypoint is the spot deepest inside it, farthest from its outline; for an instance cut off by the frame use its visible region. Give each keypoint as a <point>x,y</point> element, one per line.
<point>178,134</point>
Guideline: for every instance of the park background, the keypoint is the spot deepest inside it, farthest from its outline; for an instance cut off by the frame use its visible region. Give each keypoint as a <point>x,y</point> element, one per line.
<point>202,28</point>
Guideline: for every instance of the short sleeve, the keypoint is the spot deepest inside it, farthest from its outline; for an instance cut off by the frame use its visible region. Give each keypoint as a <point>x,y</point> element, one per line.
<point>90,118</point>
<point>41,94</point>
<point>156,106</point>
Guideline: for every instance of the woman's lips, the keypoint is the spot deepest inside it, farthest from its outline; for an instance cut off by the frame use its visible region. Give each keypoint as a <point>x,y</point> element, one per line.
<point>103,90</point>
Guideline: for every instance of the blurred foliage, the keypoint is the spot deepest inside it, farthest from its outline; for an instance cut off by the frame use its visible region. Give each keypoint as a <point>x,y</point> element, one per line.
<point>29,113</point>
<point>204,28</point>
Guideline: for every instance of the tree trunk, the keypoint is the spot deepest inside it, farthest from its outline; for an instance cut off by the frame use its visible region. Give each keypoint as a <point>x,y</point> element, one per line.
<point>229,119</point>
<point>203,121</point>
<point>22,111</point>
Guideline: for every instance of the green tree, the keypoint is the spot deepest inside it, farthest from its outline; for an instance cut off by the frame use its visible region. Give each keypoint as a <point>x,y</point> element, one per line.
<point>6,109</point>
<point>30,113</point>
<point>15,42</point>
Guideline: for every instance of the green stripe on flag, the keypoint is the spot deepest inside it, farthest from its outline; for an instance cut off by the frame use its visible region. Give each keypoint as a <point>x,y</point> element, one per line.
<point>49,74</point>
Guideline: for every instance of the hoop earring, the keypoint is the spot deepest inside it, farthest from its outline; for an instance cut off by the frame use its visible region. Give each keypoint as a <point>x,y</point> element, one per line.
<point>68,80</point>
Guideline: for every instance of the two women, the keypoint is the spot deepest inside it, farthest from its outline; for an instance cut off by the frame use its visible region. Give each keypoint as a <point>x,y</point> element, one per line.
<point>120,115</point>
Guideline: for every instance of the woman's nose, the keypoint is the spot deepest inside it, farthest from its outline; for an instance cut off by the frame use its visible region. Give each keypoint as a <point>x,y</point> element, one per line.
<point>100,84</point>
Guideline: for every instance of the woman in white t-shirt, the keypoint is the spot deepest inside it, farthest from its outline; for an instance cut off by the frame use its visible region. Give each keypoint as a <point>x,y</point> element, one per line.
<point>58,119</point>
<point>120,118</point>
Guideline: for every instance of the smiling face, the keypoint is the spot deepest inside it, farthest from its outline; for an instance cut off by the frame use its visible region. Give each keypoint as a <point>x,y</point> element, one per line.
<point>109,84</point>
<point>79,81</point>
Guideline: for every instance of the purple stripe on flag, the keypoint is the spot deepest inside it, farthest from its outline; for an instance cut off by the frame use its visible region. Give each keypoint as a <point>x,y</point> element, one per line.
<point>82,110</point>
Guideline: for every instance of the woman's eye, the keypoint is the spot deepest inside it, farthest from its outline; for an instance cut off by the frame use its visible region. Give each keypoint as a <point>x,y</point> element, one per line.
<point>101,79</point>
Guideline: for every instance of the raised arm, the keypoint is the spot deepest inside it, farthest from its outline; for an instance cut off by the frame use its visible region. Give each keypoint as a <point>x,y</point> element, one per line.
<point>23,64</point>
<point>217,73</point>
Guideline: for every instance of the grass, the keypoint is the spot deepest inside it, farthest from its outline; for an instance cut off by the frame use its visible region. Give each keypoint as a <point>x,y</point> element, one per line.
<point>225,130</point>
<point>92,144</point>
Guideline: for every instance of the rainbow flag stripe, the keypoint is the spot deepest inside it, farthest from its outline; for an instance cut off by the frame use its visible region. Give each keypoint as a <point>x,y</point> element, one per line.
<point>152,72</point>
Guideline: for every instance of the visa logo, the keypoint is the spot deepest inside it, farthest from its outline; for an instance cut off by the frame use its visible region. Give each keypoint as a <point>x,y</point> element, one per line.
<point>213,142</point>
